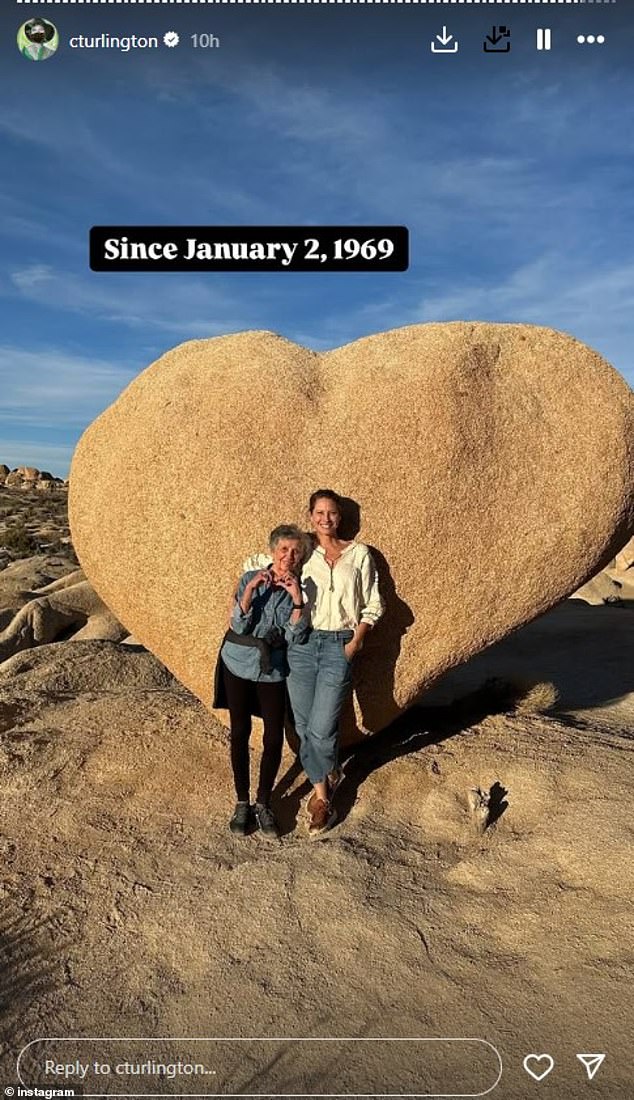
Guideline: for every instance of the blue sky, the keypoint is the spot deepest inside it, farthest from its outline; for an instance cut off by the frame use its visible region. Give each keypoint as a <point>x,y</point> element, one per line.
<point>514,175</point>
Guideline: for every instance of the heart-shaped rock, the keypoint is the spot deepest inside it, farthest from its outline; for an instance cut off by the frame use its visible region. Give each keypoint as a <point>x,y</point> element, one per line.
<point>492,466</point>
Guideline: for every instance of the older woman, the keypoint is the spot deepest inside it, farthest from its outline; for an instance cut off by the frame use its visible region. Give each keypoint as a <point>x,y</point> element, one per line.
<point>266,620</point>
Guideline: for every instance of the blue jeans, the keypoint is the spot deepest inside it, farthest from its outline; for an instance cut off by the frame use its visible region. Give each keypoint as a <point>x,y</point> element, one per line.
<point>319,681</point>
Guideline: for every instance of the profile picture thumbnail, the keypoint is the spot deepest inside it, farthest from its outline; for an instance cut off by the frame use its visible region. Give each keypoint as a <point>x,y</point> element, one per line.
<point>38,39</point>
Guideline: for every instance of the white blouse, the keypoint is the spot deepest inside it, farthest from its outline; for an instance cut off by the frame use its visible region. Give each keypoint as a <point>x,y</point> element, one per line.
<point>339,596</point>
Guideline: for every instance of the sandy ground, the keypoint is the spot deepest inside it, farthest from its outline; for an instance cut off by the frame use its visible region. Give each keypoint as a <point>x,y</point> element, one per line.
<point>128,909</point>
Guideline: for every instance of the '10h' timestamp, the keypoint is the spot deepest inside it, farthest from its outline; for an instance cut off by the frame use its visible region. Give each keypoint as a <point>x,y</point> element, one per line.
<point>204,41</point>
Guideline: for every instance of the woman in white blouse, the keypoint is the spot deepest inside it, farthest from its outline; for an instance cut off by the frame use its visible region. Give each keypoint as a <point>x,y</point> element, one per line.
<point>341,594</point>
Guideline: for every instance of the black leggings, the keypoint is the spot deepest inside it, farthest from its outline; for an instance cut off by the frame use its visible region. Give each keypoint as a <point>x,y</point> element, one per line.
<point>271,700</point>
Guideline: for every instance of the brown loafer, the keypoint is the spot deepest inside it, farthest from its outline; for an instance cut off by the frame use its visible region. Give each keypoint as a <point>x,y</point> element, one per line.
<point>322,816</point>
<point>334,779</point>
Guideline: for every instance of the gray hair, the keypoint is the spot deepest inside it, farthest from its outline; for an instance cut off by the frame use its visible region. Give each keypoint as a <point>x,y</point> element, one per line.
<point>287,531</point>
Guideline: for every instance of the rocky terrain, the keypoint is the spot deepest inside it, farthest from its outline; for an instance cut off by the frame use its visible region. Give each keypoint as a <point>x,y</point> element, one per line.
<point>478,882</point>
<point>33,516</point>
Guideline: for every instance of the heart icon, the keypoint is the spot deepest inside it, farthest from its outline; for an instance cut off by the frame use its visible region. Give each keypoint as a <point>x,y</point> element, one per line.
<point>490,468</point>
<point>533,1062</point>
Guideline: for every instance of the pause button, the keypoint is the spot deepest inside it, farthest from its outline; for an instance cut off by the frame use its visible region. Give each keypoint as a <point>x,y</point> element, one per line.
<point>543,38</point>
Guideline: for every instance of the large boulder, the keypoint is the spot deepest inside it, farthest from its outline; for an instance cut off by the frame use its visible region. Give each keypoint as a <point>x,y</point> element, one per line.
<point>493,466</point>
<point>4,473</point>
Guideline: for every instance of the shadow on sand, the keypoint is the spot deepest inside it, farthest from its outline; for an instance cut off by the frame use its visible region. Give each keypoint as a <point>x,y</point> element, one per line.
<point>583,650</point>
<point>27,968</point>
<point>416,729</point>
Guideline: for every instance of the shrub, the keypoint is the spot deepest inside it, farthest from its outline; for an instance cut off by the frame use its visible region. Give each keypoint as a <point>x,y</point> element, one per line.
<point>18,540</point>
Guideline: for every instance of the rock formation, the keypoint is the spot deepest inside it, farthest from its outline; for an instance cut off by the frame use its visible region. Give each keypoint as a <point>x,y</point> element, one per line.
<point>29,477</point>
<point>625,557</point>
<point>63,610</point>
<point>615,583</point>
<point>28,473</point>
<point>493,467</point>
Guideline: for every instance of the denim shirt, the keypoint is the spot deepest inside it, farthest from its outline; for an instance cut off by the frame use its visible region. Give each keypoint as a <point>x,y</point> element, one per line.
<point>267,618</point>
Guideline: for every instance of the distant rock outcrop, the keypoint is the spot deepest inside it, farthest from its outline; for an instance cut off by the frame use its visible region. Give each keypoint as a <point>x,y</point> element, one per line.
<point>29,473</point>
<point>615,583</point>
<point>493,466</point>
<point>29,477</point>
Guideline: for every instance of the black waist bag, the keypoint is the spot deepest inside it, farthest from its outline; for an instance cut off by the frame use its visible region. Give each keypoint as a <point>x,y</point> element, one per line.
<point>220,698</point>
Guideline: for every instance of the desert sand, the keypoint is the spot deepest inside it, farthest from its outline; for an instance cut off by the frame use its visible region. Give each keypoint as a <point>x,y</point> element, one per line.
<point>129,909</point>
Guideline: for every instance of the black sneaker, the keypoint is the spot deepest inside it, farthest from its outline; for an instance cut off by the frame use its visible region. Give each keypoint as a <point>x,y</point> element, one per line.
<point>241,820</point>
<point>266,821</point>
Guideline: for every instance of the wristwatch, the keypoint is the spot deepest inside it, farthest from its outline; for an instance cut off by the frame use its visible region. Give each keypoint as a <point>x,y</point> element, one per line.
<point>298,607</point>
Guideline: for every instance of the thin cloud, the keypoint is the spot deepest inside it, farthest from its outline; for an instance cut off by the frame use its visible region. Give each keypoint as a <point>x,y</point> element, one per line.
<point>33,452</point>
<point>54,387</point>
<point>179,305</point>
<point>593,303</point>
<point>109,156</point>
<point>550,283</point>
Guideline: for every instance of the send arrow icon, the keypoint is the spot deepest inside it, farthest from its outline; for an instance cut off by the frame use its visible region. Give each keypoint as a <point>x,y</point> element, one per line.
<point>592,1062</point>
